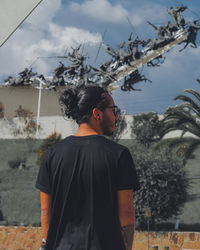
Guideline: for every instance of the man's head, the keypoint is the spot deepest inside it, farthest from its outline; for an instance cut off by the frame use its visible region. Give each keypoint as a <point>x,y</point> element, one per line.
<point>108,116</point>
<point>92,105</point>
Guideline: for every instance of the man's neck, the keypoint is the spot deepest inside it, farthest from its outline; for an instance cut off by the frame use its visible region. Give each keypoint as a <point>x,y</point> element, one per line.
<point>85,130</point>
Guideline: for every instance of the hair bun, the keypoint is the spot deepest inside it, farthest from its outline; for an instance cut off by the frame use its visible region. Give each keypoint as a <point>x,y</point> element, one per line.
<point>77,102</point>
<point>69,100</point>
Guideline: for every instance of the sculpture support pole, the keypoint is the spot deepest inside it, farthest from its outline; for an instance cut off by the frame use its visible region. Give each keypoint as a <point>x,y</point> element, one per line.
<point>38,109</point>
<point>148,57</point>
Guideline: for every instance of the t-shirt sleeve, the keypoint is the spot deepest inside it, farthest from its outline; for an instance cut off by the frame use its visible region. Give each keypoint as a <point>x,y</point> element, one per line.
<point>126,172</point>
<point>43,178</point>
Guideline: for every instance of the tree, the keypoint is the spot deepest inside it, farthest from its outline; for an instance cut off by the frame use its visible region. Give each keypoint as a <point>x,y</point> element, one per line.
<point>186,116</point>
<point>146,127</point>
<point>159,172</point>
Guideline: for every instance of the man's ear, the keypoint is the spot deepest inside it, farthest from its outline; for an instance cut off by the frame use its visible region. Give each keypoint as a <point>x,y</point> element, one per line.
<point>97,113</point>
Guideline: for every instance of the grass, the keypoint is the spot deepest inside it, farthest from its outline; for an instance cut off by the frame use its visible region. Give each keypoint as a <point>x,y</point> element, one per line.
<point>19,200</point>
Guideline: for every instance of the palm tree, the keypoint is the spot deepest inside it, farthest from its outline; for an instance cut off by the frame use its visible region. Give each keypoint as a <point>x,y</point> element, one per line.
<point>186,116</point>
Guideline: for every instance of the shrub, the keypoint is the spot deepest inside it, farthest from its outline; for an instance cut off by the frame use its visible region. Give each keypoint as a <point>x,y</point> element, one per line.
<point>2,110</point>
<point>46,144</point>
<point>146,127</point>
<point>17,162</point>
<point>1,215</point>
<point>163,183</point>
<point>29,125</point>
<point>22,113</point>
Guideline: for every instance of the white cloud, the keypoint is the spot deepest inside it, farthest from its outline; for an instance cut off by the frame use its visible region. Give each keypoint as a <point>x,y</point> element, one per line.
<point>154,13</point>
<point>178,72</point>
<point>182,60</point>
<point>61,38</point>
<point>41,37</point>
<point>44,13</point>
<point>101,10</point>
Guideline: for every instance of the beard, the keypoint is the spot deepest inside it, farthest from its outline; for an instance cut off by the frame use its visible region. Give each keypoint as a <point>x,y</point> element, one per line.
<point>106,132</point>
<point>107,127</point>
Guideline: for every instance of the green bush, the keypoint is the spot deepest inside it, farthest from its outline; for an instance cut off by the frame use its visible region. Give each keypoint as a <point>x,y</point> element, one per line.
<point>2,110</point>
<point>163,183</point>
<point>16,162</point>
<point>47,143</point>
<point>146,127</point>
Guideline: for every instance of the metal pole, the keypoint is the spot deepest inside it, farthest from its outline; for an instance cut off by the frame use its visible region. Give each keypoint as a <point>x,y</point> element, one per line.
<point>148,232</point>
<point>177,223</point>
<point>148,216</point>
<point>38,109</point>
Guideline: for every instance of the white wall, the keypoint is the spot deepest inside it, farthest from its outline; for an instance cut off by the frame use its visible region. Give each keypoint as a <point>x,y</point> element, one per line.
<point>50,124</point>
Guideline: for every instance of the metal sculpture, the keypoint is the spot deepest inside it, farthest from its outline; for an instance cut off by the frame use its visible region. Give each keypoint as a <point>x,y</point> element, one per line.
<point>125,61</point>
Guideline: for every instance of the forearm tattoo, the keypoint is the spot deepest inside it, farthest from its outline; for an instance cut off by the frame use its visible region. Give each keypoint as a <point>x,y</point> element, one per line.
<point>128,233</point>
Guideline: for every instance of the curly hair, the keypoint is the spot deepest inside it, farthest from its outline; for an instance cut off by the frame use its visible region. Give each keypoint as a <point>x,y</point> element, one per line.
<point>78,103</point>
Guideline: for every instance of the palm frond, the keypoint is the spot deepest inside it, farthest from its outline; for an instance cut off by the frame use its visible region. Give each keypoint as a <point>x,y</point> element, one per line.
<point>189,100</point>
<point>198,80</point>
<point>176,118</point>
<point>187,107</point>
<point>193,92</point>
<point>191,129</point>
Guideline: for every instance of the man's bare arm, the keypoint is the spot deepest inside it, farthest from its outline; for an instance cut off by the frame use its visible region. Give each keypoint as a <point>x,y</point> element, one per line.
<point>128,235</point>
<point>126,216</point>
<point>45,200</point>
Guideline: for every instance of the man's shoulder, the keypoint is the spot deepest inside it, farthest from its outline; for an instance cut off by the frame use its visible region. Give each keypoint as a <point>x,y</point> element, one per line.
<point>93,141</point>
<point>57,146</point>
<point>114,145</point>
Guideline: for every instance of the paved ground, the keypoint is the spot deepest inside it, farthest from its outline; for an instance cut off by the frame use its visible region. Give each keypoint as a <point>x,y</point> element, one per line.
<point>29,238</point>
<point>20,238</point>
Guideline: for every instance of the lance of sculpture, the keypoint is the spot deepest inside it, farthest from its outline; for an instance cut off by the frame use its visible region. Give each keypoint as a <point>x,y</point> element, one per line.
<point>58,78</point>
<point>192,34</point>
<point>156,62</point>
<point>165,36</point>
<point>132,79</point>
<point>124,56</point>
<point>176,14</point>
<point>163,31</point>
<point>25,78</point>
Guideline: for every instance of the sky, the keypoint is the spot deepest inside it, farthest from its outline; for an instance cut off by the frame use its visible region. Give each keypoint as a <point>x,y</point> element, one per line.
<point>57,25</point>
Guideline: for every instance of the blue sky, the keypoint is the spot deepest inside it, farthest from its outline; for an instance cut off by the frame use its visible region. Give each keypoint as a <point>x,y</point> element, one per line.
<point>55,26</point>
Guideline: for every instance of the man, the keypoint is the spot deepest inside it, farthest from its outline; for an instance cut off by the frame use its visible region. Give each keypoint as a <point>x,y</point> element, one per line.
<point>87,181</point>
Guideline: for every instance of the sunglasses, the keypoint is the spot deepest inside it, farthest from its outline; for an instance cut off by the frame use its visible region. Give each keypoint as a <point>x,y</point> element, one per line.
<point>115,109</point>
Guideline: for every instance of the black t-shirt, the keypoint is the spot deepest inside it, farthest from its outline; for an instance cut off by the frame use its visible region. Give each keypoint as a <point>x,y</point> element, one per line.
<point>82,174</point>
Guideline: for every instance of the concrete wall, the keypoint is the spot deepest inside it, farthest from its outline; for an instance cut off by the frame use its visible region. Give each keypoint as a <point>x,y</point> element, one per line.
<point>50,113</point>
<point>48,125</point>
<point>12,97</point>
